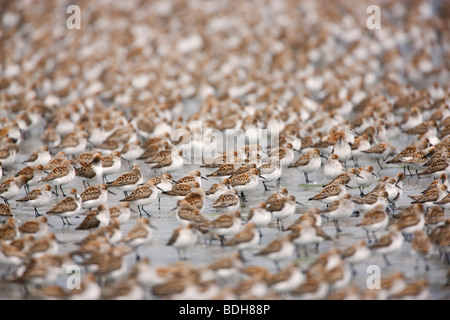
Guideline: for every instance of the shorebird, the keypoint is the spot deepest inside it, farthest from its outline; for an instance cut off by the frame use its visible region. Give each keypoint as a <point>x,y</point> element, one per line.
<point>95,219</point>
<point>333,167</point>
<point>260,217</point>
<point>121,212</point>
<point>193,176</point>
<point>37,198</point>
<point>308,163</point>
<point>280,249</point>
<point>128,180</point>
<point>282,209</point>
<point>342,148</point>
<point>37,227</point>
<point>67,207</point>
<point>90,171</point>
<point>10,188</point>
<point>355,253</point>
<point>93,196</point>
<point>224,171</point>
<point>111,164</point>
<point>34,174</point>
<point>40,156</point>
<point>421,248</point>
<point>270,171</point>
<point>246,239</point>
<point>228,201</point>
<point>60,175</point>
<point>244,182</point>
<point>183,238</point>
<point>374,220</point>
<point>305,234</point>
<point>186,213</point>
<point>227,224</point>
<point>131,152</point>
<point>73,143</point>
<point>141,233</point>
<point>216,190</point>
<point>389,243</point>
<point>171,162</point>
<point>179,191</point>
<point>5,212</point>
<point>381,151</point>
<point>142,196</point>
<point>339,209</point>
<point>331,193</point>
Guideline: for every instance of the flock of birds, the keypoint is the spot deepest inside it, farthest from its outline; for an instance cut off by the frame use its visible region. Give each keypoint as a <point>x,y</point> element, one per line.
<point>100,172</point>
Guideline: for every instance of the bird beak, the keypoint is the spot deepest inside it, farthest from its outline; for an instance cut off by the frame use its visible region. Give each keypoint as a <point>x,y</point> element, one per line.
<point>262,177</point>
<point>112,192</point>
<point>373,173</point>
<point>153,227</point>
<point>174,209</point>
<point>204,178</point>
<point>398,187</point>
<point>174,181</point>
<point>296,150</point>
<point>322,156</point>
<point>359,176</point>
<point>299,203</point>
<point>160,189</point>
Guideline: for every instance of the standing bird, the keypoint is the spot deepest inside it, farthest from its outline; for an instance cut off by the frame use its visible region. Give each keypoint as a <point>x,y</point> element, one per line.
<point>128,180</point>
<point>389,243</point>
<point>244,182</point>
<point>142,196</point>
<point>95,219</point>
<point>333,167</point>
<point>61,175</point>
<point>270,171</point>
<point>183,238</point>
<point>67,207</point>
<point>228,201</point>
<point>141,233</point>
<point>248,238</point>
<point>38,197</point>
<point>421,248</point>
<point>308,163</point>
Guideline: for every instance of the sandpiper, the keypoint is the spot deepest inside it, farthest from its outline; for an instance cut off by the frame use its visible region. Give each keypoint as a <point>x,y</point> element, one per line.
<point>38,197</point>
<point>244,182</point>
<point>331,193</point>
<point>374,220</point>
<point>389,243</point>
<point>270,171</point>
<point>128,180</point>
<point>227,224</point>
<point>10,188</point>
<point>282,209</point>
<point>95,219</point>
<point>308,163</point>
<point>40,156</point>
<point>67,207</point>
<point>183,238</point>
<point>37,227</point>
<point>93,196</point>
<point>228,201</point>
<point>333,167</point>
<point>142,196</point>
<point>141,233</point>
<point>111,164</point>
<point>61,175</point>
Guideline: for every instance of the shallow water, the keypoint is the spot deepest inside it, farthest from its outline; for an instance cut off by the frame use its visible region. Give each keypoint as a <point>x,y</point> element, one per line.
<point>165,222</point>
